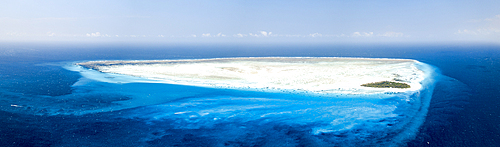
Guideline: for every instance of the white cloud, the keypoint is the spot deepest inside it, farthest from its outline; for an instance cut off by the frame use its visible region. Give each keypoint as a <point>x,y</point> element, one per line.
<point>391,34</point>
<point>209,35</point>
<point>356,34</point>
<point>490,27</point>
<point>259,34</point>
<point>193,35</point>
<point>221,35</point>
<point>96,34</point>
<point>296,35</point>
<point>50,34</point>
<point>315,35</point>
<point>254,35</point>
<point>264,33</point>
<point>205,35</point>
<point>465,31</point>
<point>161,36</point>
<point>496,18</point>
<point>363,34</point>
<point>239,35</point>
<point>289,35</point>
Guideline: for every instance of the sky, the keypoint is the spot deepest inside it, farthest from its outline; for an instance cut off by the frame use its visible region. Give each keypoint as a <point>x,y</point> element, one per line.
<point>251,21</point>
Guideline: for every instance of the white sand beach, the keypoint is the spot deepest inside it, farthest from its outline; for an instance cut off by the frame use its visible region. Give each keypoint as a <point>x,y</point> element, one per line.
<point>312,74</point>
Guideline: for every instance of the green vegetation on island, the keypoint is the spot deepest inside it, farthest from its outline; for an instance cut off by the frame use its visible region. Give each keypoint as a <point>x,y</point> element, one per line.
<point>386,84</point>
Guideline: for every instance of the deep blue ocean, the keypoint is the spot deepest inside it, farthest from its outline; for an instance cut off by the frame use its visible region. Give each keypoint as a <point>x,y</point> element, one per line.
<point>42,103</point>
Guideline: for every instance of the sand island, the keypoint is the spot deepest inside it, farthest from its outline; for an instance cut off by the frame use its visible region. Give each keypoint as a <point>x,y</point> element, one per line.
<point>313,74</point>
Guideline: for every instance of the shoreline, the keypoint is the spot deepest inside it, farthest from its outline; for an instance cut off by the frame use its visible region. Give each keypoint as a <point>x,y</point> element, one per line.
<point>133,62</point>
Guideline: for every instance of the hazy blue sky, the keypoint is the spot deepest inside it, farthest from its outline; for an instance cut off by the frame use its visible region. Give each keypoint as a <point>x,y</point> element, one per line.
<point>251,21</point>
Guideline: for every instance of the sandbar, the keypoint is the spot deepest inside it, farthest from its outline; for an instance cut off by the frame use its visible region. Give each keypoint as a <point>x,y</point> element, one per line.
<point>311,74</point>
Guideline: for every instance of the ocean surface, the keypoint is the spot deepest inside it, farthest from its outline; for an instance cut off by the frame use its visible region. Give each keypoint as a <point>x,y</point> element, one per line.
<point>43,102</point>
